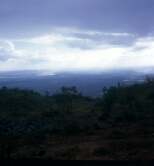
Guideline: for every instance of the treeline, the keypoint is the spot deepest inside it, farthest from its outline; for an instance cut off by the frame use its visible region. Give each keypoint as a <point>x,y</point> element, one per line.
<point>28,112</point>
<point>25,112</point>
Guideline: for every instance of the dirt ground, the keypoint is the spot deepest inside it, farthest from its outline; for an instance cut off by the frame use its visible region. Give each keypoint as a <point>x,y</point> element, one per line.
<point>105,144</point>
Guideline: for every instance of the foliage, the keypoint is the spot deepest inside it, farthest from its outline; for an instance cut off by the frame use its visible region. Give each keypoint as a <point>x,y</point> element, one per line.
<point>26,113</point>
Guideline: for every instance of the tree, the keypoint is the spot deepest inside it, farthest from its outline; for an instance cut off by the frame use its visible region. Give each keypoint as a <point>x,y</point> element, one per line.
<point>69,94</point>
<point>65,98</point>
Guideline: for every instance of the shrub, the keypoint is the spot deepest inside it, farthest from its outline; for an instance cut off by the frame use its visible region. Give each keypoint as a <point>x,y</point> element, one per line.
<point>101,151</point>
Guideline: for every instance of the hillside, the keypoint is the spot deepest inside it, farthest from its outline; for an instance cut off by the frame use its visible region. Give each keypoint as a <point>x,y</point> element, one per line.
<point>68,125</point>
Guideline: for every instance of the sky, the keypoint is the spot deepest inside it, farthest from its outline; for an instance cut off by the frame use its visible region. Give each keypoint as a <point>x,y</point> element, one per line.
<point>76,35</point>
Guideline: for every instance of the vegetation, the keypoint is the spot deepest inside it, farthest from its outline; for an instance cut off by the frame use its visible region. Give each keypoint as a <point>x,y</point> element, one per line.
<point>30,121</point>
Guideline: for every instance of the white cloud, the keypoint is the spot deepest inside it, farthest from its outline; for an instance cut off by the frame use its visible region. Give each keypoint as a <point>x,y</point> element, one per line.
<point>6,50</point>
<point>69,31</point>
<point>68,51</point>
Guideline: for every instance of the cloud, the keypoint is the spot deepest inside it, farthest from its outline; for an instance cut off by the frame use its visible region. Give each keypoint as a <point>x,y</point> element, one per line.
<point>76,50</point>
<point>77,38</point>
<point>6,50</point>
<point>37,16</point>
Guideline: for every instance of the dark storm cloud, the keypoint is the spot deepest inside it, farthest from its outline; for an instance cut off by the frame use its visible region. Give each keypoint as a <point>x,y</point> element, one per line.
<point>21,16</point>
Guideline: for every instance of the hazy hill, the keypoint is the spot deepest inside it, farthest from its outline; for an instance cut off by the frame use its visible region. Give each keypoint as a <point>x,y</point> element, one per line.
<point>88,83</point>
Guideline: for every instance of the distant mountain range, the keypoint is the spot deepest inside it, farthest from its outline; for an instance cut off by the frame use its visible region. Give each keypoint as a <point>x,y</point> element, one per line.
<point>88,83</point>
